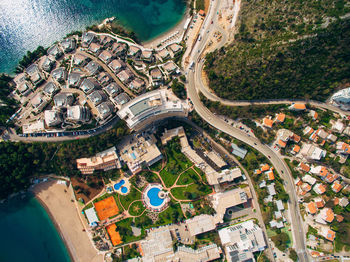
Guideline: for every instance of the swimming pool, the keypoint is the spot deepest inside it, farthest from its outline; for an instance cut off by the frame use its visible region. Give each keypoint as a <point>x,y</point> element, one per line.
<point>119,184</point>
<point>155,200</point>
<point>124,189</point>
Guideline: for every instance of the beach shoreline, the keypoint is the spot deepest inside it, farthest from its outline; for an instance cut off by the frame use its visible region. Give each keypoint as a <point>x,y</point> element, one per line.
<point>54,222</point>
<point>56,199</point>
<point>152,43</point>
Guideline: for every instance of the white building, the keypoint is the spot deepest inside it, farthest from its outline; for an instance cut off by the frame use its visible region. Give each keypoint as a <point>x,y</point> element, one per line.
<point>151,106</point>
<point>78,113</point>
<point>242,240</point>
<point>342,98</point>
<point>52,117</point>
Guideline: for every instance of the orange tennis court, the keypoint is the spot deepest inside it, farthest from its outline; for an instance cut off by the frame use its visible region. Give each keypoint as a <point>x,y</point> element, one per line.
<point>114,235</point>
<point>106,208</point>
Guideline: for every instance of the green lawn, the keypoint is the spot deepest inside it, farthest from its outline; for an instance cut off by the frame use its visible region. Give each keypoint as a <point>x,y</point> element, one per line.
<point>125,231</point>
<point>133,195</point>
<point>188,177</point>
<point>136,208</point>
<point>191,192</point>
<point>176,164</point>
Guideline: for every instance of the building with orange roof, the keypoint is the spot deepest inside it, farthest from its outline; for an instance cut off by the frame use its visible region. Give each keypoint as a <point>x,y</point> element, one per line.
<point>305,187</point>
<point>323,142</point>
<point>325,216</point>
<point>315,254</point>
<point>319,188</point>
<point>336,186</point>
<point>313,137</point>
<point>330,177</point>
<point>323,172</point>
<point>114,235</point>
<point>336,201</point>
<point>319,202</point>
<point>313,114</point>
<point>201,12</point>
<point>296,138</point>
<point>265,167</point>
<point>268,122</point>
<point>343,148</point>
<point>257,171</point>
<point>297,107</point>
<point>280,118</point>
<point>270,175</point>
<point>295,149</point>
<point>281,143</point>
<point>311,208</point>
<point>304,167</point>
<point>340,218</point>
<point>298,181</point>
<point>308,130</point>
<point>327,233</point>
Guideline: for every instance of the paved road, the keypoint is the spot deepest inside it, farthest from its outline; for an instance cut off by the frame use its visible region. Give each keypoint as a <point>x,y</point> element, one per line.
<point>280,166</point>
<point>212,96</point>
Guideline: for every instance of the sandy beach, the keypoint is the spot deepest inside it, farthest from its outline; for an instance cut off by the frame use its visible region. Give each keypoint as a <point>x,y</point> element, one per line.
<point>65,216</point>
<point>153,43</point>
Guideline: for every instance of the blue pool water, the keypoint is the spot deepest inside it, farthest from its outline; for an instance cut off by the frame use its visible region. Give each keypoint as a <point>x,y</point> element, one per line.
<point>154,198</point>
<point>119,184</point>
<point>124,189</point>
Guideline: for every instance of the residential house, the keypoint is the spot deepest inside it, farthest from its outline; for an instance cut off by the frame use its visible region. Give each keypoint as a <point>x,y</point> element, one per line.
<point>105,110</point>
<point>119,49</point>
<point>112,89</point>
<point>343,148</point>
<point>147,55</point>
<point>86,39</point>
<point>59,74</point>
<point>97,97</point>
<point>78,113</point>
<point>63,99</point>
<point>80,60</point>
<point>137,84</point>
<point>74,79</point>
<point>88,85</point>
<point>95,48</point>
<point>117,65</point>
<point>106,56</point>
<point>297,107</point>
<point>175,48</point>
<point>336,186</point>
<point>92,68</point>
<point>50,89</point>
<point>134,51</point>
<point>55,51</point>
<point>125,76</point>
<point>68,45</point>
<point>319,188</point>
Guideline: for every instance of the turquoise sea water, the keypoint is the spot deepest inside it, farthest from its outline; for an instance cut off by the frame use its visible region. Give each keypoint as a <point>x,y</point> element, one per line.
<point>26,24</point>
<point>28,234</point>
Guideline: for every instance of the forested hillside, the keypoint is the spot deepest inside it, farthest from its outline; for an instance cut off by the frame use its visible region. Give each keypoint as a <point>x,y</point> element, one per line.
<point>21,161</point>
<point>284,49</point>
<point>7,105</point>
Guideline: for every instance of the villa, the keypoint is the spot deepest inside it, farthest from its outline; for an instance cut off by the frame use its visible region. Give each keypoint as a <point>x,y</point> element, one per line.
<point>164,54</point>
<point>79,60</point>
<point>105,110</point>
<point>74,79</point>
<point>86,39</point>
<point>125,76</point>
<point>97,97</point>
<point>136,84</point>
<point>175,48</point>
<point>39,102</point>
<point>121,99</point>
<point>105,160</point>
<point>50,89</point>
<point>55,51</point>
<point>88,85</point>
<point>92,68</point>
<point>106,56</point>
<point>63,99</point>
<point>59,74</point>
<point>68,45</point>
<point>147,55</point>
<point>134,51</point>
<point>95,48</point>
<point>170,67</point>
<point>112,89</point>
<point>47,63</point>
<point>119,49</point>
<point>117,65</point>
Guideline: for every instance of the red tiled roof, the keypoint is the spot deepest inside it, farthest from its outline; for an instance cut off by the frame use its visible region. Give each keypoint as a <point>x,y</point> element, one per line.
<point>280,117</point>
<point>311,208</point>
<point>267,122</point>
<point>304,167</point>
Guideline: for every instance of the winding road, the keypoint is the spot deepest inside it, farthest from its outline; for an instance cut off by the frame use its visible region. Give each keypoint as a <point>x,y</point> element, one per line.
<point>194,85</point>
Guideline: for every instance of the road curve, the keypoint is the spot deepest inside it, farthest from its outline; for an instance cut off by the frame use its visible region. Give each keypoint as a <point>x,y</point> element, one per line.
<point>193,86</point>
